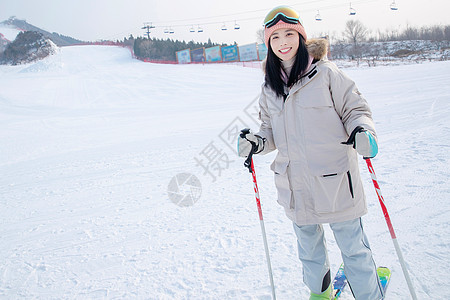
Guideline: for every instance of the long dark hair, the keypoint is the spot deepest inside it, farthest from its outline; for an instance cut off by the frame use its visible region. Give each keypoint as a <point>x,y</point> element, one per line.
<point>273,68</point>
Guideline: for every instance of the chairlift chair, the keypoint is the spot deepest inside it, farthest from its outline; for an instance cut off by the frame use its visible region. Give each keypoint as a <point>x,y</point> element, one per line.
<point>171,31</point>
<point>236,26</point>
<point>192,29</point>
<point>199,29</point>
<point>166,30</point>
<point>224,27</point>
<point>352,10</point>
<point>394,5</point>
<point>318,17</point>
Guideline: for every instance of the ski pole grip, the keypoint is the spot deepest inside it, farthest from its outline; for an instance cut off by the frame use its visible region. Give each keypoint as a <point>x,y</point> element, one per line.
<point>248,161</point>
<point>351,138</point>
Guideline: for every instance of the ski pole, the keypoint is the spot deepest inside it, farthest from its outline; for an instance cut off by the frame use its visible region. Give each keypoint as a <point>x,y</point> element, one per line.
<point>249,164</point>
<point>391,228</point>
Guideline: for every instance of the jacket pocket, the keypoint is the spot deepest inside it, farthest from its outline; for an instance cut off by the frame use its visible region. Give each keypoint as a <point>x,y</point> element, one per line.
<point>315,98</point>
<point>331,193</point>
<point>279,166</point>
<point>282,184</point>
<point>323,132</point>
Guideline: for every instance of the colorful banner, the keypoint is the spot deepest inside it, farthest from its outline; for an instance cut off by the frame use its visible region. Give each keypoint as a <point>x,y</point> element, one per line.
<point>213,54</point>
<point>230,53</point>
<point>198,55</point>
<point>248,52</point>
<point>262,51</point>
<point>184,56</point>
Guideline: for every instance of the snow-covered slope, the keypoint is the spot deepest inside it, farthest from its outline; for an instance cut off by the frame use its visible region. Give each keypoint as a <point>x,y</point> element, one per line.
<point>91,140</point>
<point>8,32</point>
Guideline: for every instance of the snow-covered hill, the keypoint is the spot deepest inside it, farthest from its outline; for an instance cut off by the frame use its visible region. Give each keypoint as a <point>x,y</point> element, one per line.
<point>28,47</point>
<point>11,27</point>
<point>390,53</point>
<point>91,140</point>
<point>8,32</point>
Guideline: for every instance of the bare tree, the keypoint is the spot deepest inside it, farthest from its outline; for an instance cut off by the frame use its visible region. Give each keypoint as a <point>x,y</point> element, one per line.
<point>447,32</point>
<point>355,31</point>
<point>260,36</point>
<point>410,33</point>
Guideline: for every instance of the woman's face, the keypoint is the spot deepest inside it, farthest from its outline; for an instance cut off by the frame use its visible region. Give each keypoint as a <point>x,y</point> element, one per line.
<point>284,43</point>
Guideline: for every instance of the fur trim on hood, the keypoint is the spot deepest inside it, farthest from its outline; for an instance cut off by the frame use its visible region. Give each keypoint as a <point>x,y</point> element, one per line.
<point>317,48</point>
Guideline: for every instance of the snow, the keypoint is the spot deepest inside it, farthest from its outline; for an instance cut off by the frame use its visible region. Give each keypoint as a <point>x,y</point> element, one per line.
<point>9,32</point>
<point>91,139</point>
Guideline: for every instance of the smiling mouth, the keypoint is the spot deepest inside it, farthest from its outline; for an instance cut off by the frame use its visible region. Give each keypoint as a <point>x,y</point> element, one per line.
<point>285,51</point>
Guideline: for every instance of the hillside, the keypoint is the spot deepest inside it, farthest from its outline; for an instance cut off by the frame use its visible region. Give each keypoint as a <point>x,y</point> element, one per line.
<point>22,25</point>
<point>391,52</point>
<point>27,47</point>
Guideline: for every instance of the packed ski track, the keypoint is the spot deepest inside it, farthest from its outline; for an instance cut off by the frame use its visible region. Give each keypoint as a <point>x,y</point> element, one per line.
<point>91,138</point>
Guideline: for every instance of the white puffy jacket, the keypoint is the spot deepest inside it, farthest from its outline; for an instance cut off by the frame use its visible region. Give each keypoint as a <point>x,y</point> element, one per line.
<point>317,177</point>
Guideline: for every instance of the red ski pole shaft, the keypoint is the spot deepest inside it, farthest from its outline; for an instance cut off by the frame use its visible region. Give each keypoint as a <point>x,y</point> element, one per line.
<point>263,229</point>
<point>255,187</point>
<point>391,228</point>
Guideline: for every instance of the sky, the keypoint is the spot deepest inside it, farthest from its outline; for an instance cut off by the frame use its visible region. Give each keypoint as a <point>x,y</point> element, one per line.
<point>92,20</point>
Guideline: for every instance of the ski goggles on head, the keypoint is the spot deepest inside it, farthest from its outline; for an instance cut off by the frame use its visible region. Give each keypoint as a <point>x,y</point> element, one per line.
<point>284,13</point>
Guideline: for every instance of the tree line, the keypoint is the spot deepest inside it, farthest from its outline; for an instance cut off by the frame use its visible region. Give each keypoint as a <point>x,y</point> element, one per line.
<point>160,49</point>
<point>355,32</point>
<point>357,41</point>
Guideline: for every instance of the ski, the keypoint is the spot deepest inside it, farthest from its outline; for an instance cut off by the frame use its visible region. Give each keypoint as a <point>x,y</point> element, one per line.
<point>340,281</point>
<point>385,276</point>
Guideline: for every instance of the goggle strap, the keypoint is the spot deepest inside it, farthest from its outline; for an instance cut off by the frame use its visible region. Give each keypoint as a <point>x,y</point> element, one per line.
<point>282,17</point>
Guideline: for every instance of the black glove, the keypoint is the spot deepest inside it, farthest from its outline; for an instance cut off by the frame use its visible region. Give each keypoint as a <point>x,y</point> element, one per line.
<point>248,141</point>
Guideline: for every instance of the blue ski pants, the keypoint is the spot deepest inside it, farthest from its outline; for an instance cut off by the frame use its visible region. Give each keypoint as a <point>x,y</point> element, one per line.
<point>359,266</point>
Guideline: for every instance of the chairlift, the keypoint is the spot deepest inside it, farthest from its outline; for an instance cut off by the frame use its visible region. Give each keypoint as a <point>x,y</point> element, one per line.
<point>224,27</point>
<point>394,5</point>
<point>199,29</point>
<point>171,31</point>
<point>236,26</point>
<point>166,30</point>
<point>192,29</point>
<point>318,17</point>
<point>352,10</point>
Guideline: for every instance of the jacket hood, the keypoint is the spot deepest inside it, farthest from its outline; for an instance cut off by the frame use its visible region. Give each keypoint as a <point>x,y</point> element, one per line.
<point>317,48</point>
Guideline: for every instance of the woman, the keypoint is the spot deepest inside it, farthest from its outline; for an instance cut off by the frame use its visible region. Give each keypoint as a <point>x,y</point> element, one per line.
<point>308,108</point>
